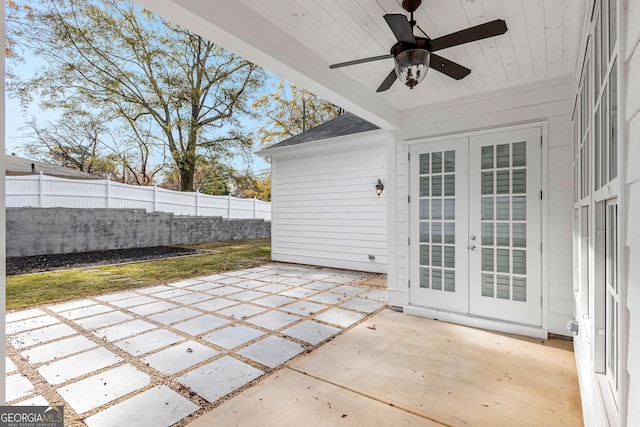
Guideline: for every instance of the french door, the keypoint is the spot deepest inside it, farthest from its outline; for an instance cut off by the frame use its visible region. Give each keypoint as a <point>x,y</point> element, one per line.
<point>475,226</point>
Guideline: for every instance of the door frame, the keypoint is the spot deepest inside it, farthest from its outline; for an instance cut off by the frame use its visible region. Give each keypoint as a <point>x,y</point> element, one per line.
<point>544,274</point>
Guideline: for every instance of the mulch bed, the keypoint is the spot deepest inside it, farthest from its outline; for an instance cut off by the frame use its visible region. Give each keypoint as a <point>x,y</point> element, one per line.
<point>40,263</point>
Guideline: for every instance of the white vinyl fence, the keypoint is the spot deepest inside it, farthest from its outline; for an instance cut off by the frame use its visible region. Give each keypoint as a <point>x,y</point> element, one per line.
<point>44,191</point>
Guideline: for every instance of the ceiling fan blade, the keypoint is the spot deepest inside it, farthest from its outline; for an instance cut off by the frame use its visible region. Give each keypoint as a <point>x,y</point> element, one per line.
<point>400,27</point>
<point>388,81</point>
<point>361,61</point>
<point>448,67</point>
<point>479,32</point>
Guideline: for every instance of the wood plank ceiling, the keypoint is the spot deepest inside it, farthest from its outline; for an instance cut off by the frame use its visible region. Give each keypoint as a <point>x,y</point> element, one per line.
<point>541,41</point>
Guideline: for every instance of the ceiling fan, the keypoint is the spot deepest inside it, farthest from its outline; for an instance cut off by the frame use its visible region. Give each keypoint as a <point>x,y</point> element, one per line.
<point>413,55</point>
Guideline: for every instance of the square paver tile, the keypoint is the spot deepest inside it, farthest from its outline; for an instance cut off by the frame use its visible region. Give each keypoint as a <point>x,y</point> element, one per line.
<point>320,286</point>
<point>241,311</point>
<point>272,278</point>
<point>9,366</point>
<point>123,330</point>
<point>33,401</point>
<point>158,407</point>
<point>273,320</point>
<point>185,283</point>
<point>201,324</point>
<point>175,315</point>
<point>215,304</point>
<point>249,284</point>
<point>311,332</point>
<point>29,324</point>
<point>233,336</point>
<point>172,293</point>
<point>247,295</point>
<point>224,290</point>
<point>102,388</point>
<point>219,378</point>
<point>149,341</point>
<point>340,317</point>
<point>362,305</point>
<point>253,275</point>
<point>58,349</point>
<point>315,276</point>
<point>42,335</point>
<point>376,295</point>
<point>211,278</point>
<point>295,281</point>
<point>154,307</point>
<point>192,298</point>
<point>339,279</point>
<point>273,288</point>
<point>17,387</point>
<point>116,297</point>
<point>205,286</point>
<point>272,351</point>
<point>75,366</point>
<point>130,302</point>
<point>179,357</point>
<point>273,301</point>
<point>154,289</point>
<point>328,298</point>
<point>304,308</point>
<point>229,280</point>
<point>23,314</point>
<point>71,305</point>
<point>298,292</point>
<point>103,320</point>
<point>90,310</point>
<point>348,290</point>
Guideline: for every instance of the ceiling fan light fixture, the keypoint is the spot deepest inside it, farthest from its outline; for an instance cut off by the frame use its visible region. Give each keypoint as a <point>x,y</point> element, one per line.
<point>411,66</point>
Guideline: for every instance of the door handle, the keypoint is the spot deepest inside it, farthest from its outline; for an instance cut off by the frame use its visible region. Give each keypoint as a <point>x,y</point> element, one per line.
<point>473,237</point>
<point>472,248</point>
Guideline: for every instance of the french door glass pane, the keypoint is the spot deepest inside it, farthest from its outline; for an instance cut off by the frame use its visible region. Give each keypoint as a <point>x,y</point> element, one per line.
<point>449,209</point>
<point>502,234</point>
<point>424,209</point>
<point>520,235</point>
<point>436,163</point>
<point>436,256</point>
<point>424,277</point>
<point>487,182</point>
<point>449,256</point>
<point>487,259</point>
<point>487,157</point>
<point>424,186</point>
<point>424,254</point>
<point>519,289</point>
<point>487,233</point>
<point>503,263</point>
<point>519,208</point>
<point>519,154</point>
<point>424,232</point>
<point>487,285</point>
<point>449,280</point>
<point>613,122</point>
<point>436,208</point>
<point>519,262</point>
<point>449,233</point>
<point>502,182</point>
<point>424,163</point>
<point>503,287</point>
<point>449,185</point>
<point>502,208</point>
<point>519,181</point>
<point>502,155</point>
<point>437,279</point>
<point>436,232</point>
<point>487,208</point>
<point>436,186</point>
<point>449,161</point>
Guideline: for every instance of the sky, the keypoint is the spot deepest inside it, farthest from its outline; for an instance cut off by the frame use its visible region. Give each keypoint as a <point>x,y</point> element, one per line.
<point>16,118</point>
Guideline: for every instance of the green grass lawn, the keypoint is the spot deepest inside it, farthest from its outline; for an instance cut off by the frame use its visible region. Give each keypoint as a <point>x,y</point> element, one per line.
<point>41,288</point>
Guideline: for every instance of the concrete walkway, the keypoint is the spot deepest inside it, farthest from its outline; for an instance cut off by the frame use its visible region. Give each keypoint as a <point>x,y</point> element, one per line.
<point>394,369</point>
<point>164,355</point>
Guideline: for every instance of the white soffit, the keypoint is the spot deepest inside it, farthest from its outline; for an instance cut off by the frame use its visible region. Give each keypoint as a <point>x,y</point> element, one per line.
<point>299,39</point>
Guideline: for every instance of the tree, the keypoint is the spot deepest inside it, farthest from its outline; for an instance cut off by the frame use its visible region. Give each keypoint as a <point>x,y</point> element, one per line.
<point>249,185</point>
<point>289,110</point>
<point>136,68</point>
<point>211,177</point>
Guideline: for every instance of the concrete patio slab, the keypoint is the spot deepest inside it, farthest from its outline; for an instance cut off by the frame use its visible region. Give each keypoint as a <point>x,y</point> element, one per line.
<point>130,302</point>
<point>247,295</point>
<point>24,314</point>
<point>320,286</point>
<point>158,407</point>
<point>327,298</point>
<point>215,304</point>
<point>312,332</point>
<point>179,357</point>
<point>58,349</point>
<point>201,324</point>
<point>90,310</point>
<point>241,311</point>
<point>29,324</point>
<point>304,308</point>
<point>71,305</point>
<point>298,292</point>
<point>337,316</point>
<point>273,320</point>
<point>273,301</point>
<point>233,336</point>
<point>192,298</point>
<point>148,342</point>
<point>17,386</point>
<point>249,284</point>
<point>154,289</point>
<point>124,330</point>
<point>219,378</point>
<point>273,288</point>
<point>155,307</point>
<point>9,366</point>
<point>376,295</point>
<point>117,296</point>
<point>290,398</point>
<point>224,291</point>
<point>76,366</point>
<point>347,290</point>
<point>362,305</point>
<point>33,401</point>
<point>185,283</point>
<point>174,315</point>
<point>272,351</point>
<point>172,293</point>
<point>102,320</point>
<point>204,286</point>
<point>102,388</point>
<point>42,335</point>
<point>229,280</point>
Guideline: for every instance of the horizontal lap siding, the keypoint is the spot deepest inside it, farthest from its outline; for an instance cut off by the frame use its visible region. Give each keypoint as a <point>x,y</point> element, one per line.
<point>325,207</point>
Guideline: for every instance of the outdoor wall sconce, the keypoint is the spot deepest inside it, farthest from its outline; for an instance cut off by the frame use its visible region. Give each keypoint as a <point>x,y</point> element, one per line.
<point>379,188</point>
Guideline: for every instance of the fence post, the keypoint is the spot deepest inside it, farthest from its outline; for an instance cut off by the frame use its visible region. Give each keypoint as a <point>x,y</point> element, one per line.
<point>155,198</point>
<point>254,208</point>
<point>108,193</point>
<point>42,189</point>
<point>229,206</point>
<point>197,203</point>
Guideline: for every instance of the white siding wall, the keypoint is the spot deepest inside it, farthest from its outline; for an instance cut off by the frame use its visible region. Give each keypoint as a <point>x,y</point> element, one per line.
<point>325,209</point>
<point>631,191</point>
<point>549,102</point>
